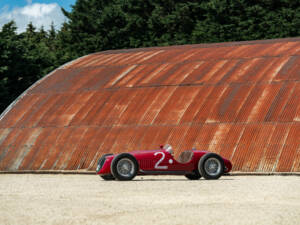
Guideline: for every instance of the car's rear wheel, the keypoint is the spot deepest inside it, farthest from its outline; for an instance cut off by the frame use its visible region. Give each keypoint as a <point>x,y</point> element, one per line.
<point>211,166</point>
<point>99,166</point>
<point>193,176</point>
<point>124,167</point>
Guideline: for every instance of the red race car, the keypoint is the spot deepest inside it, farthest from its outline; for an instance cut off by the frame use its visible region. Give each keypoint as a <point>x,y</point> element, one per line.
<point>193,164</point>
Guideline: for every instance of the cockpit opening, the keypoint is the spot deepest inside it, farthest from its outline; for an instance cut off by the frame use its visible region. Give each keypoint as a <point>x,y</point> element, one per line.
<point>184,157</point>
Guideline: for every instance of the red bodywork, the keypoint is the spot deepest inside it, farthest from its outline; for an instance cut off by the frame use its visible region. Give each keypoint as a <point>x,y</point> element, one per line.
<point>157,162</point>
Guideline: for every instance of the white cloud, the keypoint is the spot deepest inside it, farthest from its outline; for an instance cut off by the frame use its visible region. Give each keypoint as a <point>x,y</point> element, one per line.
<point>38,14</point>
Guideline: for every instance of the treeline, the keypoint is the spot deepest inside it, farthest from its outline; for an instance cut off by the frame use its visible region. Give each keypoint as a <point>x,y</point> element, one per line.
<point>95,25</point>
<point>26,57</point>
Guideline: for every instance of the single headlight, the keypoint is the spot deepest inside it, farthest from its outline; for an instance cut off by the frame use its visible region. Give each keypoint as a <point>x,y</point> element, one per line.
<point>98,168</point>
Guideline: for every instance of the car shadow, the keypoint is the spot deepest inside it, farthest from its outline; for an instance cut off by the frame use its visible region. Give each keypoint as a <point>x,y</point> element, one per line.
<point>183,180</point>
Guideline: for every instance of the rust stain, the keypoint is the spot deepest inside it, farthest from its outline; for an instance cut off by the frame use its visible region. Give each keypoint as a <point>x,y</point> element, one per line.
<point>196,104</point>
<point>150,134</point>
<point>42,156</point>
<point>23,151</point>
<point>245,147</point>
<point>279,101</point>
<point>290,109</point>
<point>232,139</point>
<point>136,78</point>
<point>181,73</point>
<point>263,103</point>
<point>78,155</point>
<point>258,146</point>
<point>134,59</point>
<point>130,57</point>
<point>15,149</point>
<point>200,70</point>
<point>162,136</point>
<point>217,142</point>
<point>131,75</point>
<point>94,145</point>
<point>120,76</point>
<point>17,113</point>
<point>123,139</point>
<point>176,105</point>
<point>249,103</point>
<point>3,134</point>
<point>119,107</point>
<point>7,144</point>
<point>205,135</point>
<point>289,151</point>
<point>58,149</point>
<point>241,100</point>
<point>157,103</point>
<point>204,114</point>
<point>297,161</point>
<point>133,110</point>
<point>214,69</point>
<point>176,137</point>
<point>191,134</point>
<point>72,146</point>
<point>224,70</point>
<point>29,159</point>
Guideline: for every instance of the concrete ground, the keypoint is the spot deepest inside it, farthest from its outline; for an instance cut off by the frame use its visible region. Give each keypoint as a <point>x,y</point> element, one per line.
<point>86,199</point>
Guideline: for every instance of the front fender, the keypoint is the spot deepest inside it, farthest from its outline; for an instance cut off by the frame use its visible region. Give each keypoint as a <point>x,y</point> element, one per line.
<point>106,166</point>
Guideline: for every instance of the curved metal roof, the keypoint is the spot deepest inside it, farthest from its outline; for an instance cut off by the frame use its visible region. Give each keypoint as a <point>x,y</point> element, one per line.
<point>241,100</point>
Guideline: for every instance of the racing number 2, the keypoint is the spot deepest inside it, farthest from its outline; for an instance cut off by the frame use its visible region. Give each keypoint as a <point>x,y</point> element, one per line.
<point>157,166</point>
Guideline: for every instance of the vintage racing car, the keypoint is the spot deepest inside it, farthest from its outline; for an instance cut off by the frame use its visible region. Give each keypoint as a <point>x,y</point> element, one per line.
<point>193,164</point>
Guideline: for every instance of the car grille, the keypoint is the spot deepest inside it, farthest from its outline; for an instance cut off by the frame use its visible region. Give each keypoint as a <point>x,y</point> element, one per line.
<point>100,163</point>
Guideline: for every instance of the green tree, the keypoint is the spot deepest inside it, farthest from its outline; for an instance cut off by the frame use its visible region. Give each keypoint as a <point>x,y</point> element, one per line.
<point>24,58</point>
<point>99,25</point>
<point>10,53</point>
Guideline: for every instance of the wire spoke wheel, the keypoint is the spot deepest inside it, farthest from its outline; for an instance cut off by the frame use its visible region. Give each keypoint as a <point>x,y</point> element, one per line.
<point>125,167</point>
<point>212,166</point>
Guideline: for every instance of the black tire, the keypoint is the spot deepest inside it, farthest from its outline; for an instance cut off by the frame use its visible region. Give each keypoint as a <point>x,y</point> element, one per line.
<point>214,159</point>
<point>100,162</point>
<point>193,176</point>
<point>107,177</point>
<point>127,159</point>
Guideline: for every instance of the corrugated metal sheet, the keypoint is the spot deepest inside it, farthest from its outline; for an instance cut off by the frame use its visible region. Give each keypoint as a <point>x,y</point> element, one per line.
<point>241,100</point>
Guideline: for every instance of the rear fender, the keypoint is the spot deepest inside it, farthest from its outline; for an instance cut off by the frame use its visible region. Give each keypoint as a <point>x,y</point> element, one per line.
<point>228,165</point>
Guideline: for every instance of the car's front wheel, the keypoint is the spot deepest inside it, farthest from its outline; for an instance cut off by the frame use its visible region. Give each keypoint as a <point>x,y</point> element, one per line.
<point>124,167</point>
<point>211,166</point>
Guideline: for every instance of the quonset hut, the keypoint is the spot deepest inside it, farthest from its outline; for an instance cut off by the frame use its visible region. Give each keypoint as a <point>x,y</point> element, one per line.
<point>241,100</point>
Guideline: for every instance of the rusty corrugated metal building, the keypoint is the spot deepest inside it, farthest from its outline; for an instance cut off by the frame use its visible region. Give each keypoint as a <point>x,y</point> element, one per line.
<point>241,100</point>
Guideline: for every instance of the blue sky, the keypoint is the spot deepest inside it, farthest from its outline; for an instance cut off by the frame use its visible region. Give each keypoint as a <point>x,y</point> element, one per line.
<point>39,12</point>
<point>21,3</point>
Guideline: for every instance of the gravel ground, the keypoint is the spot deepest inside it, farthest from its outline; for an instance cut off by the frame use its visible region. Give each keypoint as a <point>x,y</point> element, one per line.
<point>86,199</point>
